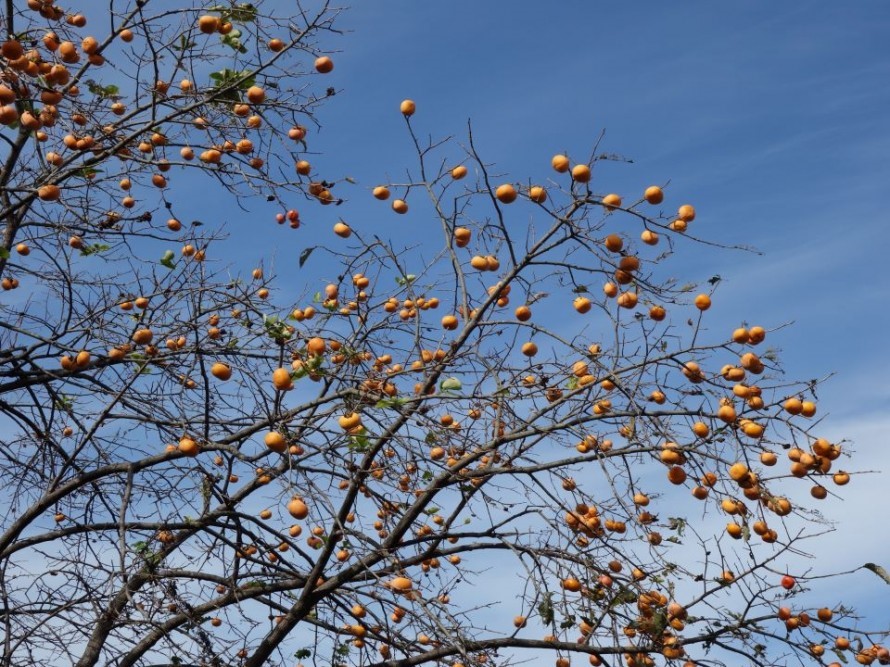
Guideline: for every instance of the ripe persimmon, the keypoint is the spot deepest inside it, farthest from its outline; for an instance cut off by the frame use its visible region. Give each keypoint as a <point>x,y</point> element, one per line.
<point>768,458</point>
<point>529,349</point>
<point>505,193</point>
<point>407,107</point>
<point>50,192</point>
<point>324,65</point>
<point>611,202</point>
<point>629,263</point>
<point>275,441</point>
<point>462,237</point>
<point>560,163</point>
<point>693,372</point>
<point>613,243</point>
<point>188,446</point>
<point>282,380</point>
<point>221,371</point>
<point>349,421</point>
<point>756,335</point>
<point>649,237</point>
<point>479,263</point>
<point>738,471</point>
<point>400,584</point>
<point>686,213</point>
<point>654,194</point>
<point>571,584</point>
<point>208,24</point>
<point>142,336</point>
<point>676,475</point>
<point>297,509</point>
<point>537,194</point>
<point>726,413</point>
<point>581,173</point>
<point>700,429</point>
<point>627,300</point>
<point>678,226</point>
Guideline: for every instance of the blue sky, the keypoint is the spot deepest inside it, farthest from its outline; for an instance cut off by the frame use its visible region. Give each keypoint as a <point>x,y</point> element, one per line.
<point>770,117</point>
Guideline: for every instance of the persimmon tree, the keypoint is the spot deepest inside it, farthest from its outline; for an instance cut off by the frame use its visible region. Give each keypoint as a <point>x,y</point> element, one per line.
<point>207,466</point>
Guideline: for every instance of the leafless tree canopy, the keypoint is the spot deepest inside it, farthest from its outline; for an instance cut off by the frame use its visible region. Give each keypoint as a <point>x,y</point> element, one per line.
<point>200,472</point>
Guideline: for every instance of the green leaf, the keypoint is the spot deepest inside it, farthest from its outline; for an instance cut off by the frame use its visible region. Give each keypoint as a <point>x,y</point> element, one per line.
<point>545,609</point>
<point>395,402</point>
<point>840,655</point>
<point>233,41</point>
<point>94,249</point>
<point>229,82</point>
<point>4,253</point>
<point>276,328</point>
<point>103,92</point>
<point>86,172</point>
<point>64,403</point>
<point>451,384</point>
<point>167,259</point>
<point>359,443</point>
<point>305,255</point>
<point>242,13</point>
